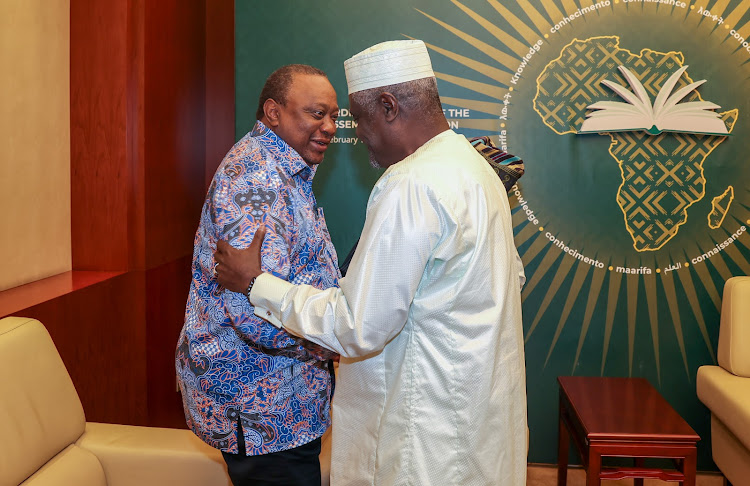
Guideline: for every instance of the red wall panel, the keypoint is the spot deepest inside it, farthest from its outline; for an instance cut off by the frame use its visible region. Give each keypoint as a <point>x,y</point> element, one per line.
<point>220,103</point>
<point>166,293</point>
<point>175,121</point>
<point>100,179</point>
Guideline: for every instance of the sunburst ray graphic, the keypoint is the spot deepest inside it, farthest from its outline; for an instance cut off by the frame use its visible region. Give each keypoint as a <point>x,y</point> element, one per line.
<point>575,302</point>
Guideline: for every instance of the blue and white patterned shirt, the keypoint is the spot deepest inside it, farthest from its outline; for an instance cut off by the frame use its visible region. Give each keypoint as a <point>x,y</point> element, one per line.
<point>231,364</point>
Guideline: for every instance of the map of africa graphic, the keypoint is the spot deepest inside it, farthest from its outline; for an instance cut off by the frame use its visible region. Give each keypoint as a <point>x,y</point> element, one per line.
<point>662,175</point>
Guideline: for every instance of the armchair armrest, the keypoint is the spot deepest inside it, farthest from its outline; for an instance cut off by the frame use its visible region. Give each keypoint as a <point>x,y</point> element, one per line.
<point>728,398</point>
<point>152,456</point>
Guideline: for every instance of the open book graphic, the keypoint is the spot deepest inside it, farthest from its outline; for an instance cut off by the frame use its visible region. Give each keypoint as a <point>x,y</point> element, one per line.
<point>666,114</point>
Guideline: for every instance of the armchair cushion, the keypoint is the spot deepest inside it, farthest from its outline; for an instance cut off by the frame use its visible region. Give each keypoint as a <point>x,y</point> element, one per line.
<point>153,456</point>
<point>734,329</point>
<point>71,466</point>
<point>45,440</point>
<point>40,412</point>
<point>728,398</point>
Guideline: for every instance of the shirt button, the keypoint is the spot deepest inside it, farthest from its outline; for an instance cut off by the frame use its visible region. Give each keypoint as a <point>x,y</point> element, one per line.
<point>268,313</point>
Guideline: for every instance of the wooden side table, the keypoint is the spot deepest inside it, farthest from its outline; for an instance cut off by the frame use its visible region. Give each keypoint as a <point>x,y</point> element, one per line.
<point>622,417</point>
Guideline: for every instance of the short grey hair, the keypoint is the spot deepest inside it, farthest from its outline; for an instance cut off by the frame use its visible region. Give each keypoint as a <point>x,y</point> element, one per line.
<point>420,95</point>
<point>278,83</point>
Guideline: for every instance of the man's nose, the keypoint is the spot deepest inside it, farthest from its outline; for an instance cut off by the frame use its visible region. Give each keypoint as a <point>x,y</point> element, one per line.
<point>329,126</point>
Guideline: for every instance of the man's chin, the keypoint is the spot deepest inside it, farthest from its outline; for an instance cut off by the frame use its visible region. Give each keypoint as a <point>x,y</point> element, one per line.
<point>311,161</point>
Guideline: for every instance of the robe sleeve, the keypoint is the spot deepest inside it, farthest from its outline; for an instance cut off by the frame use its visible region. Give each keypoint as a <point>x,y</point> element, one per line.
<point>402,227</point>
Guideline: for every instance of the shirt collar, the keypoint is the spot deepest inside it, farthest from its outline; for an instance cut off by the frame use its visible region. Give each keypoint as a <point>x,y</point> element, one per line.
<point>291,161</point>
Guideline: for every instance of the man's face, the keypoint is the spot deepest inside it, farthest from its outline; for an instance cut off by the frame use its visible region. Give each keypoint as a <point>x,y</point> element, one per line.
<point>369,132</point>
<point>308,120</point>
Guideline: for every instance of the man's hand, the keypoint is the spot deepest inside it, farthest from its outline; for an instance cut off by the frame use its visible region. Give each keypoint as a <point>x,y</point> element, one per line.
<point>236,268</point>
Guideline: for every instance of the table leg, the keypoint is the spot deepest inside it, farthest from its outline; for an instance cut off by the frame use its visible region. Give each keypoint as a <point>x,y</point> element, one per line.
<point>562,450</point>
<point>689,464</point>
<point>595,467</point>
<point>639,462</point>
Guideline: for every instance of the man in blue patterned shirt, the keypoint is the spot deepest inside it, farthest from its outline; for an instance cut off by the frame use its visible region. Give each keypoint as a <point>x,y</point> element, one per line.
<point>258,394</point>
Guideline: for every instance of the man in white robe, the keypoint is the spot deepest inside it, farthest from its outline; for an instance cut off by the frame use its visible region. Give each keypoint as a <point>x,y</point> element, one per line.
<point>431,387</point>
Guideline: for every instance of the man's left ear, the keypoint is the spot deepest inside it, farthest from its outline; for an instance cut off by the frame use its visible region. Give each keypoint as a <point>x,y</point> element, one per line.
<point>390,106</point>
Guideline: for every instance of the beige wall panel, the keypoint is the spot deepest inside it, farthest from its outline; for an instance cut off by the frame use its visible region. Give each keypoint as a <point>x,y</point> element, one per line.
<point>34,140</point>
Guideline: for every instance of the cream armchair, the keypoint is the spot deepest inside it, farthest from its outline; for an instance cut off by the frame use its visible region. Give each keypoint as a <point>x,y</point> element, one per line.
<point>45,439</point>
<point>725,389</point>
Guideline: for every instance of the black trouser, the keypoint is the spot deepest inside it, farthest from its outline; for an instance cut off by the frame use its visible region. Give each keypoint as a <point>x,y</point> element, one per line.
<point>294,467</point>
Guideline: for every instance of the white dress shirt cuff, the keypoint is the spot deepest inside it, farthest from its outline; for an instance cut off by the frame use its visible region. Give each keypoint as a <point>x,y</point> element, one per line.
<point>266,296</point>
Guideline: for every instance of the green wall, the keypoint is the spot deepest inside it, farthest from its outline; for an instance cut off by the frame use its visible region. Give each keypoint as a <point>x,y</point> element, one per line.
<point>622,201</point>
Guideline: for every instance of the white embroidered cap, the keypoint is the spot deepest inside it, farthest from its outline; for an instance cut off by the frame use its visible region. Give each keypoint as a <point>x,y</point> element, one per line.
<point>388,63</point>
